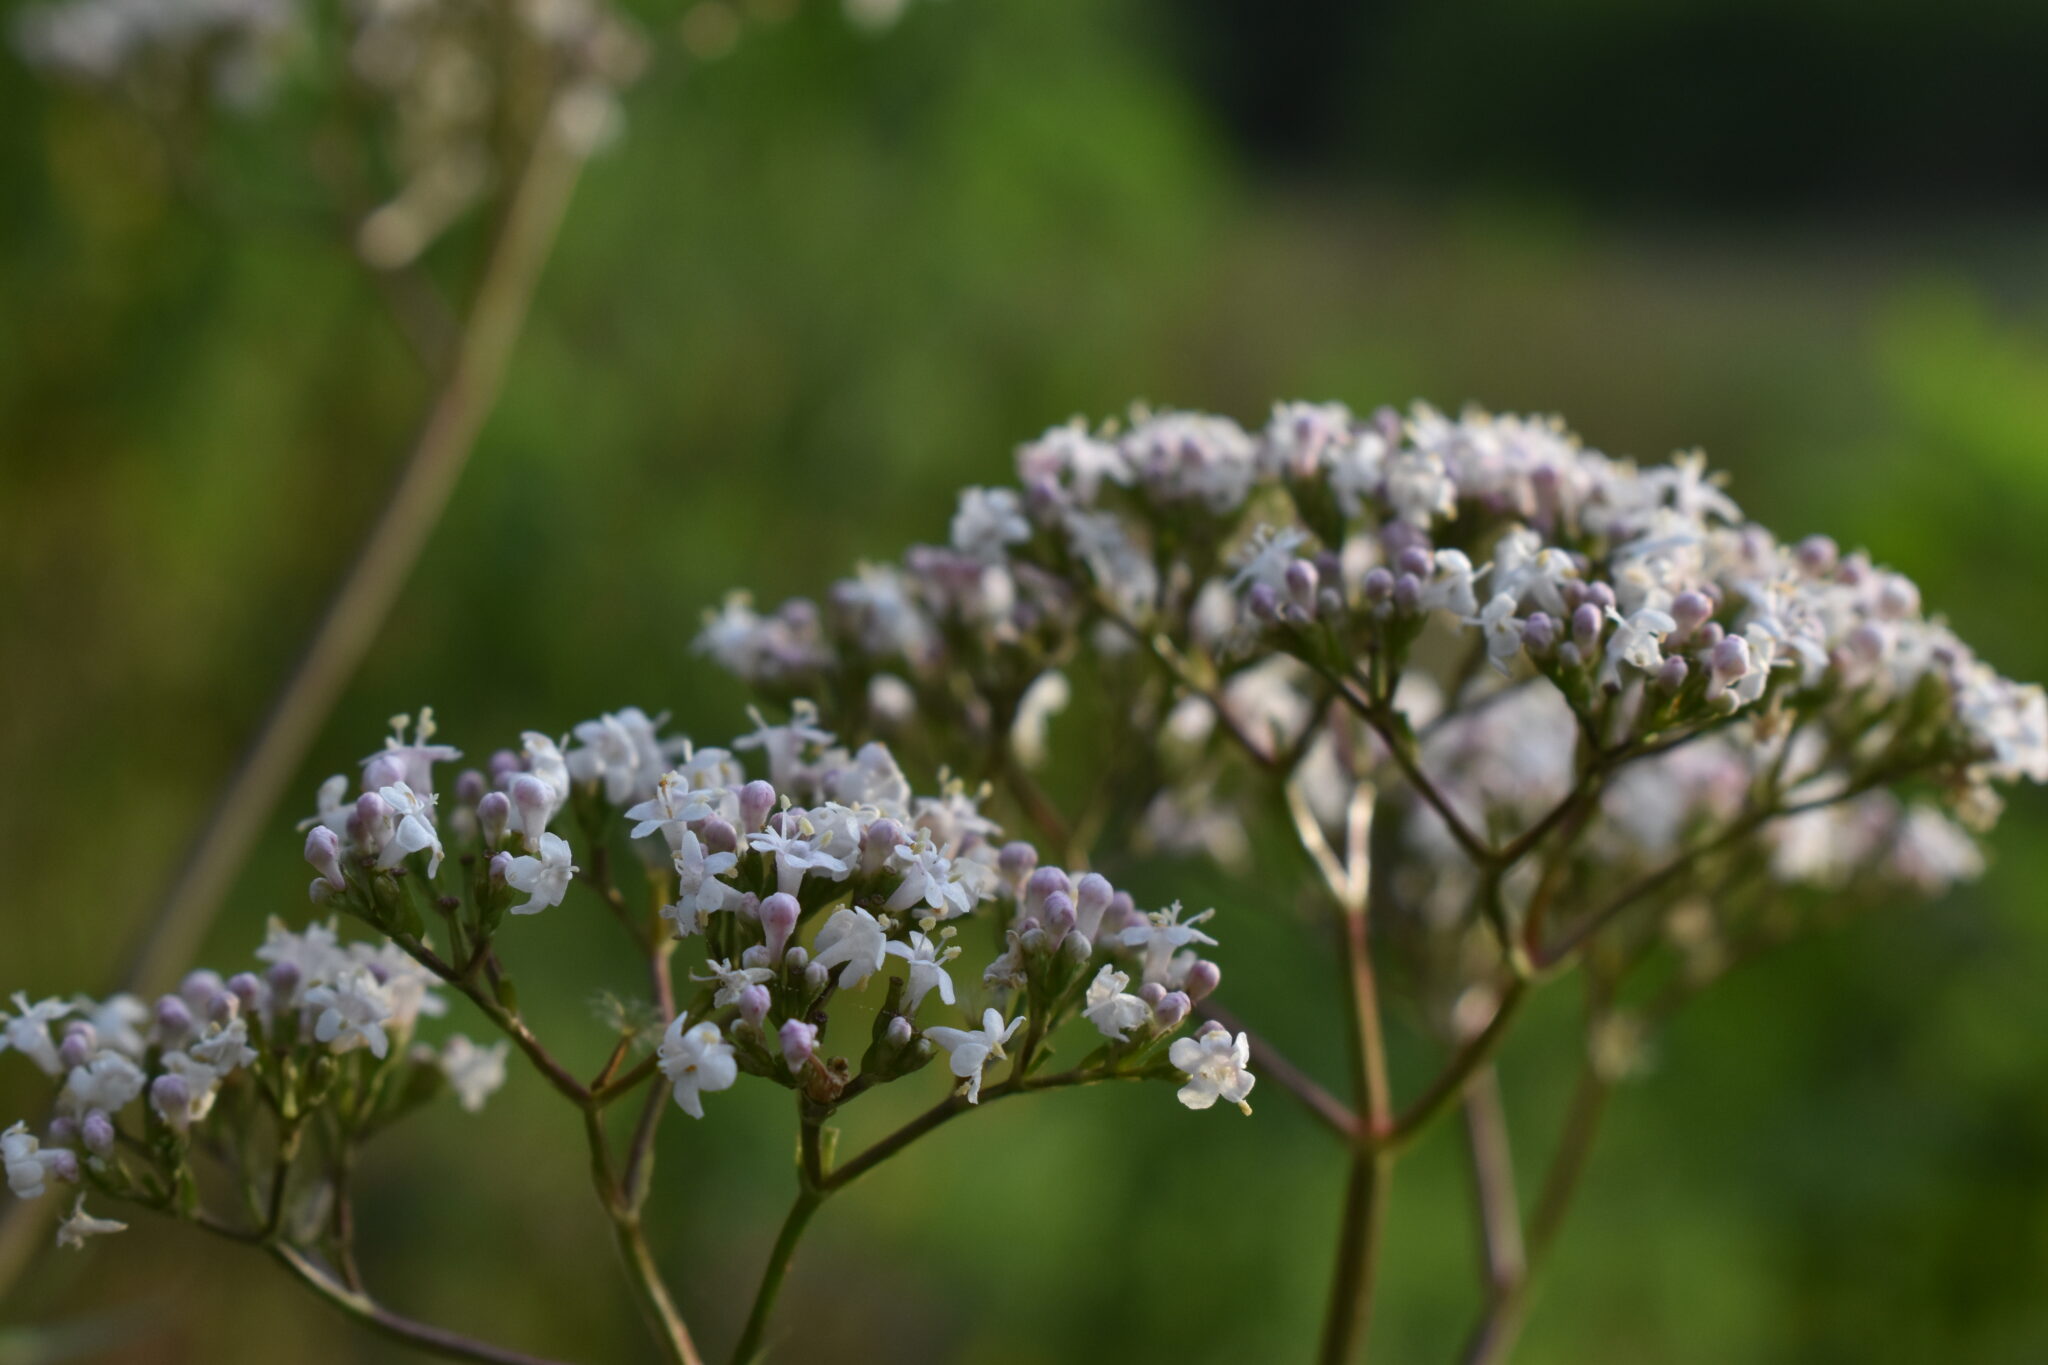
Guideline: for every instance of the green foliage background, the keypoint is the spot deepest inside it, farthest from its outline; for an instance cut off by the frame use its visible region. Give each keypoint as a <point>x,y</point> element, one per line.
<point>817,287</point>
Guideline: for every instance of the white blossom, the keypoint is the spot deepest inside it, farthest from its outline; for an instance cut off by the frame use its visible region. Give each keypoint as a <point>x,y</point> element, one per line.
<point>352,1011</point>
<point>474,1073</point>
<point>80,1225</point>
<point>1216,1067</point>
<point>968,1050</point>
<point>1113,1012</point>
<point>28,1166</point>
<point>414,813</point>
<point>927,960</point>
<point>1162,935</point>
<point>699,892</point>
<point>732,981</point>
<point>27,1031</point>
<point>696,1060</point>
<point>544,879</point>
<point>854,937</point>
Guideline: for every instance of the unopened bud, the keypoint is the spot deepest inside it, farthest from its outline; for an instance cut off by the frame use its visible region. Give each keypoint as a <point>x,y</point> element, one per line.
<point>323,851</point>
<point>1041,884</point>
<point>62,1164</point>
<point>754,1003</point>
<point>77,1047</point>
<point>173,1019</point>
<point>1730,660</point>
<point>471,787</point>
<point>757,798</point>
<point>1202,980</point>
<point>247,990</point>
<point>1818,555</point>
<point>1302,583</point>
<point>779,914</point>
<point>1092,896</point>
<point>1415,561</point>
<point>1059,915</point>
<point>1077,947</point>
<point>503,765</point>
<point>899,1032</point>
<point>1600,595</point>
<point>1033,942</point>
<point>283,978</point>
<point>1262,602</point>
<point>795,960</point>
<point>1172,1010</point>
<point>1691,610</point>
<point>799,1043</point>
<point>1586,625</point>
<point>1378,586</point>
<point>717,835</point>
<point>370,825</point>
<point>1539,633</point>
<point>1152,993</point>
<point>63,1130</point>
<point>1016,862</point>
<point>494,817</point>
<point>816,977</point>
<point>97,1132</point>
<point>533,802</point>
<point>500,867</point>
<point>171,1097</point>
<point>878,842</point>
<point>1709,635</point>
<point>1672,673</point>
<point>1407,593</point>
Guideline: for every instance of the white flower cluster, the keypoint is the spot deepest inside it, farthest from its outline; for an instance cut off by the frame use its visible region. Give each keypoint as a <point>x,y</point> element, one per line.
<point>829,837</point>
<point>1606,603</point>
<point>316,997</point>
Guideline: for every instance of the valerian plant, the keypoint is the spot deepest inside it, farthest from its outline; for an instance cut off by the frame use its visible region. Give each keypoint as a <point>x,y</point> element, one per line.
<point>1611,727</point>
<point>1606,725</point>
<point>825,881</point>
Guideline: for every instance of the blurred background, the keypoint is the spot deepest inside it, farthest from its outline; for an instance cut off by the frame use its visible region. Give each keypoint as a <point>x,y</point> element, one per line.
<point>826,279</point>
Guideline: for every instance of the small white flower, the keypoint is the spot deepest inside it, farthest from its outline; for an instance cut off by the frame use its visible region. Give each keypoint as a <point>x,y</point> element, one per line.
<point>415,828</point>
<point>854,937</point>
<point>225,1047</point>
<point>118,1021</point>
<point>798,847</point>
<point>927,961</point>
<point>674,804</point>
<point>353,1012</point>
<point>544,879</point>
<point>544,760</point>
<point>1450,587</point>
<point>1636,640</point>
<point>1215,1065</point>
<point>1162,935</point>
<point>73,1231</point>
<point>1113,1012</point>
<point>474,1073</point>
<point>930,879</point>
<point>988,520</point>
<point>694,1061</point>
<point>107,1081</point>
<point>698,891</point>
<point>28,1166</point>
<point>731,980</point>
<point>1503,631</point>
<point>27,1031</point>
<point>970,1049</point>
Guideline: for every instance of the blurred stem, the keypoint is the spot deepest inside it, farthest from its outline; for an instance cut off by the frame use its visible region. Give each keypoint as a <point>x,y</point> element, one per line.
<point>382,565</point>
<point>748,1348</point>
<point>643,1275</point>
<point>1493,1337</point>
<point>366,1310</point>
<point>1503,1258</point>
<point>1358,1237</point>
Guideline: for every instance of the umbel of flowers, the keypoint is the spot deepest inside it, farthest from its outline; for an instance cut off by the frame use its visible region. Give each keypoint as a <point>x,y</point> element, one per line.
<point>1607,722</point>
<point>822,881</point>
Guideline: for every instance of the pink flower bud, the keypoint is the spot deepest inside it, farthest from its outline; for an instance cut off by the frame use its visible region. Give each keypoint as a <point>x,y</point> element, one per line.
<point>62,1164</point>
<point>533,802</point>
<point>799,1043</point>
<point>323,851</point>
<point>1202,980</point>
<point>385,770</point>
<point>1016,861</point>
<point>61,1131</point>
<point>1041,884</point>
<point>77,1047</point>
<point>1691,610</point>
<point>171,1097</point>
<point>757,798</point>
<point>877,842</point>
<point>97,1132</point>
<point>754,1002</point>
<point>899,1032</point>
<point>717,835</point>
<point>1091,898</point>
<point>779,914</point>
<point>173,1020</point>
<point>494,817</point>
<point>1172,1010</point>
<point>1152,993</point>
